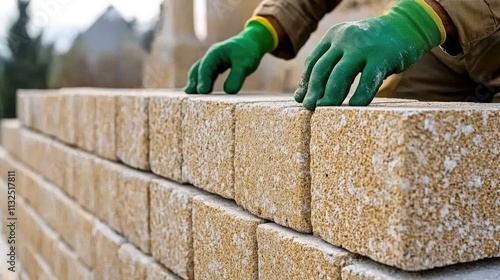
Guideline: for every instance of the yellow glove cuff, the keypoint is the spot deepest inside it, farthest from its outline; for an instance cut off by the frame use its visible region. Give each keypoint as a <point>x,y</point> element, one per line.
<point>265,22</point>
<point>435,17</point>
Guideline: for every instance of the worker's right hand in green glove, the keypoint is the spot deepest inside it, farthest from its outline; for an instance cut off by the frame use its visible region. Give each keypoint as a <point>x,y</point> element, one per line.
<point>242,53</point>
<point>376,47</point>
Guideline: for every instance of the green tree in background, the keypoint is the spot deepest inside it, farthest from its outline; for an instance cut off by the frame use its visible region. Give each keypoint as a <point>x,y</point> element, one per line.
<point>27,65</point>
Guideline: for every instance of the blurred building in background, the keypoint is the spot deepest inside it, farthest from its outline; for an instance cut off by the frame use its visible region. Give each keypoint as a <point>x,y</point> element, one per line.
<point>176,46</point>
<point>108,54</point>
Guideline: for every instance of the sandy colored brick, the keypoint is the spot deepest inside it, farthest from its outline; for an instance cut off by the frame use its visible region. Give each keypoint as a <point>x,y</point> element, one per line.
<point>66,127</point>
<point>132,129</point>
<point>155,271</point>
<point>171,225</point>
<point>134,264</point>
<point>105,252</point>
<point>208,125</point>
<point>23,104</point>
<point>165,130</point>
<point>106,183</point>
<point>83,180</point>
<point>49,113</point>
<point>85,119</point>
<point>287,254</point>
<point>420,182</point>
<point>225,240</point>
<point>11,136</point>
<point>67,265</point>
<point>271,161</point>
<point>488,269</point>
<point>36,107</point>
<point>105,133</point>
<point>133,208</point>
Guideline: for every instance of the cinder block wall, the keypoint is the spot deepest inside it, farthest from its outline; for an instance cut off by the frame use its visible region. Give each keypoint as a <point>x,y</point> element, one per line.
<point>122,184</point>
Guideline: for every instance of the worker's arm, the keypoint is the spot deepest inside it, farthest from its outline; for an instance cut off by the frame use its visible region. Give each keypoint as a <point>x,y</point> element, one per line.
<point>279,26</point>
<point>474,21</point>
<point>376,48</point>
<point>296,20</point>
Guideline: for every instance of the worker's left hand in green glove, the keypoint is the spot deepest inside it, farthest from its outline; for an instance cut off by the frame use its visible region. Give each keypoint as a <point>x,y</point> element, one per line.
<point>376,47</point>
<point>242,53</point>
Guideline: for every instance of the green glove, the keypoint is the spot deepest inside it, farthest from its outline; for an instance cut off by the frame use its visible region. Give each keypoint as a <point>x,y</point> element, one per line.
<point>376,47</point>
<point>242,53</point>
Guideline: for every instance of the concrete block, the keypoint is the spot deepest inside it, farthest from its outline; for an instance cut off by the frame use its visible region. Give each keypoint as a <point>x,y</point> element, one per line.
<point>66,128</point>
<point>133,208</point>
<point>133,263</point>
<point>11,136</point>
<point>67,265</point>
<point>287,254</point>
<point>23,110</point>
<point>165,130</point>
<point>49,113</point>
<point>171,225</point>
<point>106,183</point>
<point>36,107</point>
<point>56,173</point>
<point>85,119</point>
<point>208,125</point>
<point>156,271</point>
<point>105,137</point>
<point>368,270</point>
<point>83,180</point>
<point>418,181</point>
<point>132,130</point>
<point>105,252</point>
<point>225,240</point>
<point>271,162</point>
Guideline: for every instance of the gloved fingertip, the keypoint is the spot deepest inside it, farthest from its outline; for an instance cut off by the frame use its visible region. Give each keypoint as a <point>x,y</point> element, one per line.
<point>203,88</point>
<point>190,88</point>
<point>300,94</point>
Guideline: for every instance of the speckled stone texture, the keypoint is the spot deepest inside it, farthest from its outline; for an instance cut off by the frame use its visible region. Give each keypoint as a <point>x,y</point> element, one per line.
<point>171,225</point>
<point>208,124</point>
<point>286,254</point>
<point>105,252</point>
<point>225,240</point>
<point>49,113</point>
<point>23,110</point>
<point>36,109</point>
<point>132,130</point>
<point>105,133</point>
<point>411,187</point>
<point>271,162</point>
<point>11,136</point>
<point>488,269</point>
<point>106,183</point>
<point>165,130</point>
<point>83,180</point>
<point>85,119</point>
<point>133,262</point>
<point>133,207</point>
<point>66,126</point>
<point>157,272</point>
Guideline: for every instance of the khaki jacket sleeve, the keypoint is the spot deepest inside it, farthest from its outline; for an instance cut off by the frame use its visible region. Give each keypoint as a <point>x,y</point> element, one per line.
<point>299,18</point>
<point>475,19</point>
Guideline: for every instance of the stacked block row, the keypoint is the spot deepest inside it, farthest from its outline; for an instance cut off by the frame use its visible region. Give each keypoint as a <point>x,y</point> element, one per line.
<point>338,172</point>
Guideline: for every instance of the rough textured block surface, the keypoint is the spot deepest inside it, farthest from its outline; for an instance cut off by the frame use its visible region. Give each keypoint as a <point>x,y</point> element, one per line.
<point>83,180</point>
<point>225,240</point>
<point>368,270</point>
<point>410,187</point>
<point>171,226</point>
<point>208,124</point>
<point>286,254</point>
<point>66,128</point>
<point>271,161</point>
<point>85,118</point>
<point>165,130</point>
<point>49,113</point>
<point>106,183</point>
<point>133,263</point>
<point>105,252</point>
<point>11,136</point>
<point>132,130</point>
<point>157,272</point>
<point>133,207</point>
<point>105,137</point>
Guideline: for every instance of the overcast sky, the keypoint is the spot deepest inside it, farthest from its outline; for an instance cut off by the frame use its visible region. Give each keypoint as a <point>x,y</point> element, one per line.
<point>62,19</point>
